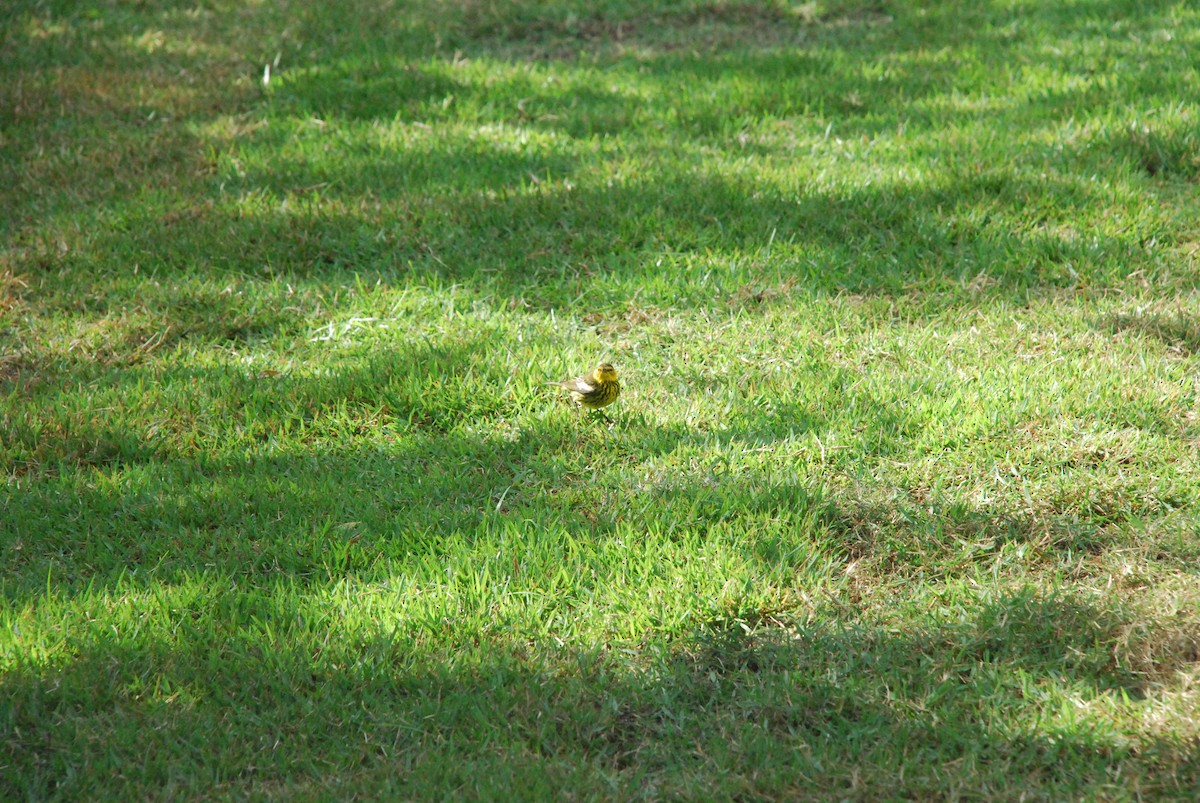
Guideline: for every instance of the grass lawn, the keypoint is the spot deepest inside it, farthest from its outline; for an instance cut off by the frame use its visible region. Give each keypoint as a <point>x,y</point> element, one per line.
<point>900,499</point>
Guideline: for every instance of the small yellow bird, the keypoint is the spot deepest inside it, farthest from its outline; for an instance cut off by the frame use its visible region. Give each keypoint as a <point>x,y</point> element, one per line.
<point>598,389</point>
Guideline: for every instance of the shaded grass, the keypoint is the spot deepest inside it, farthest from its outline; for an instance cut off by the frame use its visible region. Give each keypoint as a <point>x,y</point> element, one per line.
<point>741,689</point>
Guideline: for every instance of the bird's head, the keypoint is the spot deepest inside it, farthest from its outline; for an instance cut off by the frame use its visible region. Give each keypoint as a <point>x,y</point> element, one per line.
<point>605,372</point>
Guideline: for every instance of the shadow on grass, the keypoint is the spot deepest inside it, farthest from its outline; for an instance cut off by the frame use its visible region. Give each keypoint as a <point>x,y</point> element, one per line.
<point>717,235</point>
<point>526,221</point>
<point>365,514</point>
<point>287,701</point>
<point>390,453</point>
<point>987,698</point>
<point>1178,332</point>
<point>388,480</point>
<point>384,455</point>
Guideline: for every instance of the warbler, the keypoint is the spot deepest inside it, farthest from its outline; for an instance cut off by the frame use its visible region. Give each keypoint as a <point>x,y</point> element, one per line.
<point>598,389</point>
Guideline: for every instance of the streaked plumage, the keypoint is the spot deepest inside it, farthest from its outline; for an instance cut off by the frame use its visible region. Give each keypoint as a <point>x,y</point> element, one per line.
<point>598,389</point>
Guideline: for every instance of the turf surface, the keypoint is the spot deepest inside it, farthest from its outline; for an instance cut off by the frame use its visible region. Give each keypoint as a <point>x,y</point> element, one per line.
<point>899,500</point>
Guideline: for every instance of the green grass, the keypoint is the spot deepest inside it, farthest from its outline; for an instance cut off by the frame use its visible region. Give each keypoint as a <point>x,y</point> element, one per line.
<point>899,500</point>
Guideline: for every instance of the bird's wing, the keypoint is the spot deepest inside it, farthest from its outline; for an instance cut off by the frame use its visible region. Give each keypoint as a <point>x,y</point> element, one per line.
<point>579,385</point>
